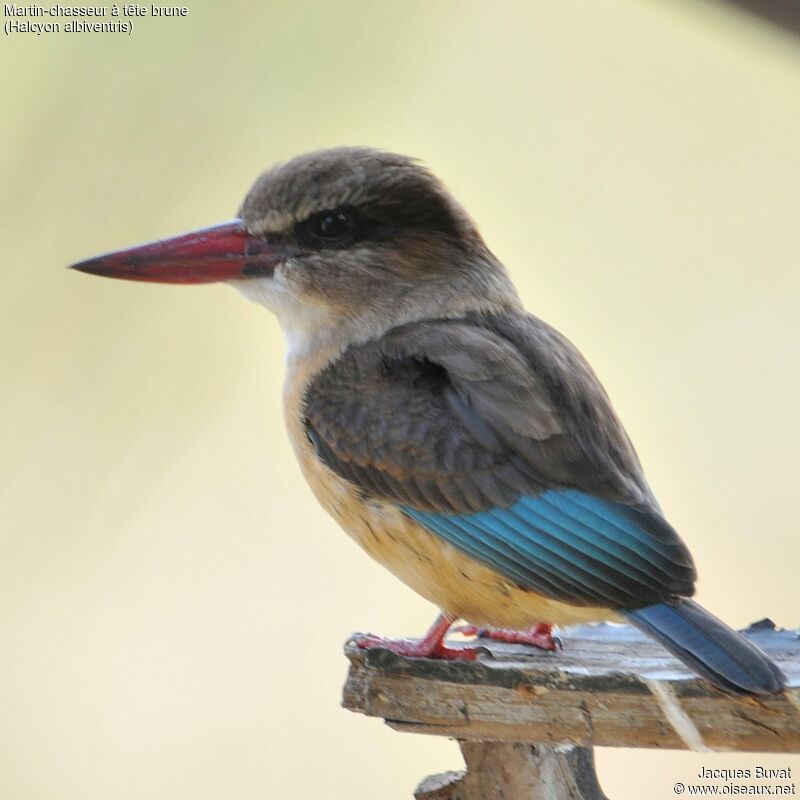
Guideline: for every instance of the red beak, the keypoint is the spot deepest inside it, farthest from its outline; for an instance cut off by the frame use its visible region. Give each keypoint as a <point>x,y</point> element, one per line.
<point>219,253</point>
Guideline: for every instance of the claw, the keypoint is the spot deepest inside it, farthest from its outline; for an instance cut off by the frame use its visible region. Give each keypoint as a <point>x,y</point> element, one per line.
<point>540,635</point>
<point>429,646</point>
<point>418,648</point>
<point>432,644</point>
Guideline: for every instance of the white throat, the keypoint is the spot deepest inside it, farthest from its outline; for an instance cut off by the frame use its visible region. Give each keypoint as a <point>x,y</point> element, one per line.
<point>302,323</point>
<point>311,328</point>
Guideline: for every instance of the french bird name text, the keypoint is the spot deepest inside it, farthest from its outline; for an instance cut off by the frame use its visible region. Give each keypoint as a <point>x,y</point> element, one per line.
<point>73,19</point>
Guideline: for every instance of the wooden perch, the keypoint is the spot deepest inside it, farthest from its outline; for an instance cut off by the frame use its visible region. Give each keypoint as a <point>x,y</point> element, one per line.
<point>527,720</point>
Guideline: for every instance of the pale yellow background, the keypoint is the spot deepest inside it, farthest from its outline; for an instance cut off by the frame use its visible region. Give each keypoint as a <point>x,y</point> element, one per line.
<point>172,601</point>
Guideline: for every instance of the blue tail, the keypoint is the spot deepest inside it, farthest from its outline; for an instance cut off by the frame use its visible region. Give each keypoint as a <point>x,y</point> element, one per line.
<point>709,647</point>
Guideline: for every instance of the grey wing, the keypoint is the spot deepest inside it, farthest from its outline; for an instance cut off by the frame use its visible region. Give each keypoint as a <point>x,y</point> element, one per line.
<point>495,434</point>
<point>462,401</point>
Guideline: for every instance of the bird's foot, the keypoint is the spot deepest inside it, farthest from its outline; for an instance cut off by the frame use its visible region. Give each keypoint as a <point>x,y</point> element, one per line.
<point>418,648</point>
<point>540,635</point>
<point>431,645</point>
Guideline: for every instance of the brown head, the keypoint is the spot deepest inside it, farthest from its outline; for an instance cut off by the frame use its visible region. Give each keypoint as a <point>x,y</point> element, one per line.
<point>340,243</point>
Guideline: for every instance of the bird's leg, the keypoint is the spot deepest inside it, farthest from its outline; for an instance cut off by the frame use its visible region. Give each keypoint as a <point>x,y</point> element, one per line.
<point>539,635</point>
<point>431,645</point>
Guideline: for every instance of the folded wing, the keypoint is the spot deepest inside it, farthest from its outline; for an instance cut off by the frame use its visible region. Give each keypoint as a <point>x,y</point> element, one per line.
<point>494,434</point>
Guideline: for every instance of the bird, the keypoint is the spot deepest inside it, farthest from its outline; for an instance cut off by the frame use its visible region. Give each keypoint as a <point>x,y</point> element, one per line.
<point>460,440</point>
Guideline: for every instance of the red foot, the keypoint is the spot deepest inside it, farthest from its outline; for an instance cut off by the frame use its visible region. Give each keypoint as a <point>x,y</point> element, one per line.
<point>431,645</point>
<point>540,635</point>
<point>418,648</point>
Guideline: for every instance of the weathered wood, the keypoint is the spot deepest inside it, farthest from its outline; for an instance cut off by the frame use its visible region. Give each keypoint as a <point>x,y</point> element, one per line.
<point>610,686</point>
<point>501,771</point>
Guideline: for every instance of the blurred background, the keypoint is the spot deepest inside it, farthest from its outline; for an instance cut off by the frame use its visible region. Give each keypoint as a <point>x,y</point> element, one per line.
<point>173,603</point>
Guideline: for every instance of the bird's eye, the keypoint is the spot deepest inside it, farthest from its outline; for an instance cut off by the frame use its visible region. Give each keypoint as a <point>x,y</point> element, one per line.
<point>333,225</point>
<point>339,227</point>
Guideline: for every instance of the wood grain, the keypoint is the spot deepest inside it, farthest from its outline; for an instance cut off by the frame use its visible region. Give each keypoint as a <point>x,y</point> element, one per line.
<point>610,686</point>
<point>500,771</point>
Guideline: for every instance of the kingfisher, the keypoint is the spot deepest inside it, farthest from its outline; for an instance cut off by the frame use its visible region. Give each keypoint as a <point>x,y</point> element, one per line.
<point>464,443</point>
